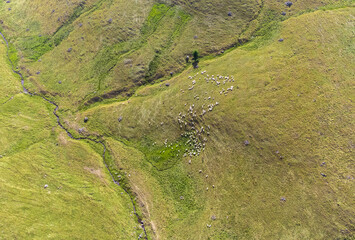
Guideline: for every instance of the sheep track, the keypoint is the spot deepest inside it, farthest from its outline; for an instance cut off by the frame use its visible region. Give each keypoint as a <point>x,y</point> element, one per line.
<point>26,91</point>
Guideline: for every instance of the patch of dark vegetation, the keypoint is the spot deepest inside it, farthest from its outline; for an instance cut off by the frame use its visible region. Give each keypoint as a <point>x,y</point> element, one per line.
<point>114,93</point>
<point>195,59</point>
<point>152,68</point>
<point>124,92</point>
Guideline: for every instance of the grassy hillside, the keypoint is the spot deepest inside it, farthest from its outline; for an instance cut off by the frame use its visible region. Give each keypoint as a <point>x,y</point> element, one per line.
<point>105,49</point>
<point>291,100</point>
<point>10,86</point>
<point>80,200</point>
<point>257,143</point>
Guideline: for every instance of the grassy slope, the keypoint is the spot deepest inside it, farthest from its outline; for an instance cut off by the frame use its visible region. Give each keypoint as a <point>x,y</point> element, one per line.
<point>145,41</point>
<point>81,201</point>
<point>39,17</point>
<point>11,85</point>
<point>266,110</point>
<point>294,99</point>
<point>115,58</point>
<point>123,54</point>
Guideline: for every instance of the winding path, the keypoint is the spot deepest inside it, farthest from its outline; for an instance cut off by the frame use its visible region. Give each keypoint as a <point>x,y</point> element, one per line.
<point>26,91</point>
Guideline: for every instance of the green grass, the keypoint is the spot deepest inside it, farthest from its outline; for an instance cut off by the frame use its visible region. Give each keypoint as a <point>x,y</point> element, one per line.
<point>36,46</point>
<point>291,100</point>
<point>10,83</point>
<point>155,16</point>
<point>81,200</point>
<point>34,153</point>
<point>154,38</point>
<point>165,156</point>
<point>161,188</point>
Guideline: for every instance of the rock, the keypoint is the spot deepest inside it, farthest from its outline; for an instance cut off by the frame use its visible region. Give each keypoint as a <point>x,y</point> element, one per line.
<point>283,199</point>
<point>167,84</point>
<point>38,72</point>
<point>229,14</point>
<point>281,40</point>
<point>69,49</point>
<point>171,74</point>
<point>288,4</point>
<point>120,119</point>
<point>246,143</point>
<point>323,174</point>
<point>0,156</point>
<point>81,130</point>
<point>283,13</point>
<point>9,9</point>
<point>213,217</point>
<point>181,197</point>
<point>45,186</point>
<point>110,20</point>
<point>60,82</point>
<point>323,163</point>
<point>8,1</point>
<point>80,24</point>
<point>86,119</point>
<point>208,225</point>
<point>195,37</point>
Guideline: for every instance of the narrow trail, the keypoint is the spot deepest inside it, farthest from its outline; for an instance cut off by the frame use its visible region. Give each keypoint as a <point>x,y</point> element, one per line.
<point>8,100</point>
<point>26,91</point>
